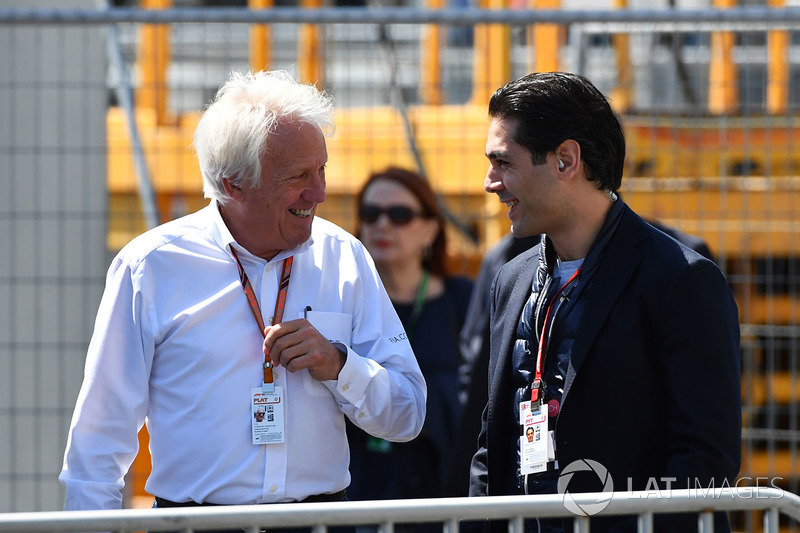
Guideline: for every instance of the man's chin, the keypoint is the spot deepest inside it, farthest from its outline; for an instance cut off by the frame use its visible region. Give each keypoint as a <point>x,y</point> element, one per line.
<point>519,232</point>
<point>301,236</point>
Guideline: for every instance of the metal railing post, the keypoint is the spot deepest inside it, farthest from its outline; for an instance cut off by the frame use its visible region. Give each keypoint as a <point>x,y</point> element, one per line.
<point>705,522</point>
<point>644,522</point>
<point>581,524</point>
<point>516,525</point>
<point>771,520</point>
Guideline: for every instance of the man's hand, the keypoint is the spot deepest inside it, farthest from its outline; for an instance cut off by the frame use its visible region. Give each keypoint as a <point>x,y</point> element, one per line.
<point>296,344</point>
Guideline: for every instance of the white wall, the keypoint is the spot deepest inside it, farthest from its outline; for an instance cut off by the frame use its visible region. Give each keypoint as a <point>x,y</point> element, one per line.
<point>52,241</point>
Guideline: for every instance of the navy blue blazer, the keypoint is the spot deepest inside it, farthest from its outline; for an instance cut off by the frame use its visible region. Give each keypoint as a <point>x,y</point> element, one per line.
<point>652,390</point>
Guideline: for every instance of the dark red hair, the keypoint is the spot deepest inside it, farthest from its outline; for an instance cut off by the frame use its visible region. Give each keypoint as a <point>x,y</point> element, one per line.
<point>436,261</point>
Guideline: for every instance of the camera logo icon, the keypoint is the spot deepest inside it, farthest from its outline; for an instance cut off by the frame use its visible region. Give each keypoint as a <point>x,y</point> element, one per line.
<point>585,465</point>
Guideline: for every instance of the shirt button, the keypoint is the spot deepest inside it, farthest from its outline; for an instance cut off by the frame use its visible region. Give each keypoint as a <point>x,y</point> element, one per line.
<point>361,414</point>
<point>275,375</point>
<point>345,388</point>
<point>273,488</point>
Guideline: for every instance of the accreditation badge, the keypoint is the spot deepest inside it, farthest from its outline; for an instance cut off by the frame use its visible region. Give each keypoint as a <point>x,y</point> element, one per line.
<point>267,415</point>
<point>534,443</point>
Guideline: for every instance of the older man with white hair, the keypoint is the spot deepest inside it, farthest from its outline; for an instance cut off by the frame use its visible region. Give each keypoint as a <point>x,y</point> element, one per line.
<point>250,303</point>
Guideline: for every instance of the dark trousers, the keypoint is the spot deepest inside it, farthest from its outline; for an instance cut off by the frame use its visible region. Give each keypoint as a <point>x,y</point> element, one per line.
<point>161,503</point>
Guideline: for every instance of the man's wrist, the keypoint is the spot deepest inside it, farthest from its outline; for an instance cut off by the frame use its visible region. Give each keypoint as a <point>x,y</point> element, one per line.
<point>342,355</point>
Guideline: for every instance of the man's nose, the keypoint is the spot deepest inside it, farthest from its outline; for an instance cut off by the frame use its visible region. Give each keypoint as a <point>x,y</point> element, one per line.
<point>492,183</point>
<point>315,192</point>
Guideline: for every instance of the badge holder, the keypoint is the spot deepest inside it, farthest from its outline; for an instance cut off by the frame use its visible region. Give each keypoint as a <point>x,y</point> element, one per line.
<point>534,444</point>
<point>268,422</point>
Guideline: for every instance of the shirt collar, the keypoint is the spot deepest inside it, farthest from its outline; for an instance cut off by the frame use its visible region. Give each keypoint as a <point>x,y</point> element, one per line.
<point>222,236</point>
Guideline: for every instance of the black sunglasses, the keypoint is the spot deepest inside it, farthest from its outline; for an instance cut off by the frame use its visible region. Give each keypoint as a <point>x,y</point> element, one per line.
<point>399,215</point>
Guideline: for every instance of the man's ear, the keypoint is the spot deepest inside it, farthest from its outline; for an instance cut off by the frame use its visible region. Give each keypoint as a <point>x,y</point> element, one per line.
<point>568,154</point>
<point>233,191</point>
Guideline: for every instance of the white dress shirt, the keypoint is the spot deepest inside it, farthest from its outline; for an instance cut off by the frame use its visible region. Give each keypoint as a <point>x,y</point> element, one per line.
<point>176,345</point>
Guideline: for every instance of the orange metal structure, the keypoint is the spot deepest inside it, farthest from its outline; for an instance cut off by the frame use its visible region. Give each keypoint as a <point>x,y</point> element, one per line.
<point>678,170</point>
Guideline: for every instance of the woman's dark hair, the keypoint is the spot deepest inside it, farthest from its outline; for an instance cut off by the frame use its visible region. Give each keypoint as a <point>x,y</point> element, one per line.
<point>436,261</point>
<point>552,107</point>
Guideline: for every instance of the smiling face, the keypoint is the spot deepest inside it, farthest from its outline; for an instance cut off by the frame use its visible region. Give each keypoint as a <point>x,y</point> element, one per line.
<point>278,214</point>
<point>391,243</point>
<point>531,192</point>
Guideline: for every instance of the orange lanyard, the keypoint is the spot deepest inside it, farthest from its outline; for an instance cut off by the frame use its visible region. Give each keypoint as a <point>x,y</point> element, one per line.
<point>277,315</point>
<point>537,382</point>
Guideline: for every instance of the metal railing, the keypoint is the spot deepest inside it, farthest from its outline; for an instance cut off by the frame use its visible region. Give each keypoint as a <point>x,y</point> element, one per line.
<point>740,18</point>
<point>448,511</point>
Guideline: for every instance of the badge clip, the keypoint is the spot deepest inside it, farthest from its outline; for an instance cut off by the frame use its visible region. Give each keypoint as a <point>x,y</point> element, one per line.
<point>535,388</point>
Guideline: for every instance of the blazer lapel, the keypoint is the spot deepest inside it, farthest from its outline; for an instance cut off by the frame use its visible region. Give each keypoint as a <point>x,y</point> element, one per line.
<point>621,258</point>
<point>516,289</point>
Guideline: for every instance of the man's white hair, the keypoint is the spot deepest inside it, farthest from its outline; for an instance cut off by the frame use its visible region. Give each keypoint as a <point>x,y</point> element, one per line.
<point>233,133</point>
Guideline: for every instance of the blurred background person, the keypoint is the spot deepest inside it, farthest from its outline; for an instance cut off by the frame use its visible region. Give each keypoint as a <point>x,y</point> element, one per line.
<point>475,354</point>
<point>403,228</point>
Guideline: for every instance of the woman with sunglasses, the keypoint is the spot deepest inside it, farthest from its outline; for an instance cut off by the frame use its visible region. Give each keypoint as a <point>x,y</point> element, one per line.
<point>402,227</point>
